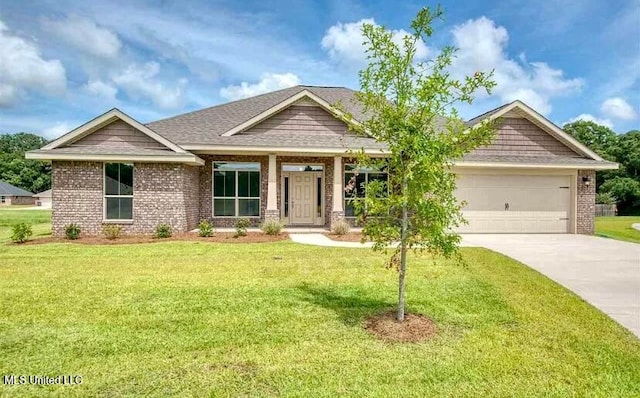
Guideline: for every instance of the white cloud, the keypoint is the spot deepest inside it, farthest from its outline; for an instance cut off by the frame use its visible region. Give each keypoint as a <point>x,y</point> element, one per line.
<point>101,89</point>
<point>85,35</point>
<point>590,118</point>
<point>22,68</point>
<point>618,108</point>
<point>138,81</point>
<point>56,130</point>
<point>344,43</point>
<point>482,47</point>
<point>268,82</point>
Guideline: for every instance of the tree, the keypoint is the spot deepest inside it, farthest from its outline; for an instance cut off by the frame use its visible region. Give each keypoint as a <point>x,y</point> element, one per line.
<point>32,175</point>
<point>411,108</point>
<point>626,190</point>
<point>598,138</point>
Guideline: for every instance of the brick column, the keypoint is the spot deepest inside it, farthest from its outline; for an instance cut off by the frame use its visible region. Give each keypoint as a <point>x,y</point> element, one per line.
<point>586,209</point>
<point>337,210</point>
<point>272,212</point>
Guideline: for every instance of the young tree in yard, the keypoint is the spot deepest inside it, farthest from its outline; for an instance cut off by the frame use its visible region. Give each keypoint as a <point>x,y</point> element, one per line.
<point>411,108</point>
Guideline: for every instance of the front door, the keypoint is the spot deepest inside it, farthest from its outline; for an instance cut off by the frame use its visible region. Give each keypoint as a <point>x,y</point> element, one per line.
<point>302,209</point>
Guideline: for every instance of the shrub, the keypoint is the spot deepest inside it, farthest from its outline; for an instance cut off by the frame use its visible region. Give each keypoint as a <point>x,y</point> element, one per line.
<point>271,227</point>
<point>605,198</point>
<point>241,227</point>
<point>205,229</point>
<point>21,232</point>
<point>340,227</point>
<point>72,231</point>
<point>163,230</point>
<point>112,231</point>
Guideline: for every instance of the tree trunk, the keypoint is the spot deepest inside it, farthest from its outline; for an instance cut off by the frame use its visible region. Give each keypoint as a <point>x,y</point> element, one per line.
<point>403,255</point>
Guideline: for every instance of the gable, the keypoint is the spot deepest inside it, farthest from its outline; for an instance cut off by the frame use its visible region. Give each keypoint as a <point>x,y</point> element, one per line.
<point>300,118</point>
<point>517,136</point>
<point>118,134</point>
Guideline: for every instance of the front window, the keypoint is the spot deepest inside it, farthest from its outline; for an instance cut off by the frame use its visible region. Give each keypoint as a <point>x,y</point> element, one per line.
<point>118,191</point>
<point>236,189</point>
<point>355,182</point>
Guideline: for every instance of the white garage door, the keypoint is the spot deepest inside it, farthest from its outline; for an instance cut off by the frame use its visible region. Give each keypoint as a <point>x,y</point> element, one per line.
<point>515,203</point>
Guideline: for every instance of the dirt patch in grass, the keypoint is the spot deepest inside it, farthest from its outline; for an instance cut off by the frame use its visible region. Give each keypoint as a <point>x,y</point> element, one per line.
<point>414,329</point>
<point>350,237</point>
<point>220,237</point>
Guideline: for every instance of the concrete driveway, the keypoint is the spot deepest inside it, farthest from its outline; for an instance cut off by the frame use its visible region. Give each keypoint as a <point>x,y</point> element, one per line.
<point>604,272</point>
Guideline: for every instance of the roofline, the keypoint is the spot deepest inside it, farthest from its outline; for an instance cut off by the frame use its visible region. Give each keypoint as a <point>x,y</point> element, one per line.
<point>555,130</point>
<point>512,165</point>
<point>238,149</point>
<point>282,105</point>
<point>186,157</point>
<point>105,119</point>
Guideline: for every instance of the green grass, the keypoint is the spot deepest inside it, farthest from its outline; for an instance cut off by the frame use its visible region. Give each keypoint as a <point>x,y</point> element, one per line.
<point>282,319</point>
<point>618,228</point>
<point>40,221</point>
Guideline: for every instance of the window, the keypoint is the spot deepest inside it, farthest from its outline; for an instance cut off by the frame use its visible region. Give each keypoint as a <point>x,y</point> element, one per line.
<point>118,191</point>
<point>236,189</point>
<point>355,181</point>
<point>2,200</point>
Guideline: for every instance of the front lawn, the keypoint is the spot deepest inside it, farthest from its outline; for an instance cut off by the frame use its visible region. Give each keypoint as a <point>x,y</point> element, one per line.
<point>618,228</point>
<point>40,221</point>
<point>282,319</point>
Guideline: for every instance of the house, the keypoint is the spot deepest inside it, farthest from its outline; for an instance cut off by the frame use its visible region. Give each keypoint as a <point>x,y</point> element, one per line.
<point>283,155</point>
<point>11,195</point>
<point>43,199</point>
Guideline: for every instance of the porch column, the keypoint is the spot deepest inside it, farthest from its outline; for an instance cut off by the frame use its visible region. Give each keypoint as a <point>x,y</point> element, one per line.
<point>272,212</point>
<point>337,211</point>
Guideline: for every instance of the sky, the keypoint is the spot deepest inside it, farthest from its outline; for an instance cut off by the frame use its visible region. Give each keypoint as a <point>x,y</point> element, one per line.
<point>65,62</point>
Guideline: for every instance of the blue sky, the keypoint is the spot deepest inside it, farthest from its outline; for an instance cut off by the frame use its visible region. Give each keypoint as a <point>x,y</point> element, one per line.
<point>65,62</point>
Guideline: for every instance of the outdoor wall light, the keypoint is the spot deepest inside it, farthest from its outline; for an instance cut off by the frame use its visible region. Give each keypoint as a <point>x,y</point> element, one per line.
<point>586,180</point>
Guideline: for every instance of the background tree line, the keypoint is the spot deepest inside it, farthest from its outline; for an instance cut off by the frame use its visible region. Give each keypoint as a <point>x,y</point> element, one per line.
<point>32,175</point>
<point>620,186</point>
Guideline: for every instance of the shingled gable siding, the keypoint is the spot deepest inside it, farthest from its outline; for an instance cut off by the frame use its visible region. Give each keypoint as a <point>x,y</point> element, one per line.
<point>119,135</point>
<point>162,193</point>
<point>298,119</point>
<point>520,137</point>
<point>586,209</point>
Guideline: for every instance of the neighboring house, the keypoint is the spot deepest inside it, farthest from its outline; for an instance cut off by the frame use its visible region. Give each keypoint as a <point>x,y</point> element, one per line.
<point>10,195</point>
<point>43,199</point>
<point>283,155</point>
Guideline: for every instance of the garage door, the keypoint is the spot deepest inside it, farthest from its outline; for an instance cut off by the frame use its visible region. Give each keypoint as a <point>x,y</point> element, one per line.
<point>515,203</point>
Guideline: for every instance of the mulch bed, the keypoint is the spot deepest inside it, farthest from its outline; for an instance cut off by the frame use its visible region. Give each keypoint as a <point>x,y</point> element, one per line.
<point>350,237</point>
<point>414,329</point>
<point>220,237</point>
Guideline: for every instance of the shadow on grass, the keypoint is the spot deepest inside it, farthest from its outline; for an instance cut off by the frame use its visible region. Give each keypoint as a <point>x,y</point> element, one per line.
<point>352,305</point>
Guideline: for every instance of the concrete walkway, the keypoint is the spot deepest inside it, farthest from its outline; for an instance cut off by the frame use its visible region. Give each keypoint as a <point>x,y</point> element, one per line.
<point>635,226</point>
<point>604,272</point>
<point>323,240</point>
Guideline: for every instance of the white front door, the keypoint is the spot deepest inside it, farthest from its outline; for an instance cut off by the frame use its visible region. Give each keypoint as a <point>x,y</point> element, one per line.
<point>302,199</point>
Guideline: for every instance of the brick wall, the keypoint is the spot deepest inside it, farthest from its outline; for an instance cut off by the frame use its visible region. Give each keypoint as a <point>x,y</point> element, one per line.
<point>586,203</point>
<point>206,188</point>
<point>161,193</point>
<point>206,184</point>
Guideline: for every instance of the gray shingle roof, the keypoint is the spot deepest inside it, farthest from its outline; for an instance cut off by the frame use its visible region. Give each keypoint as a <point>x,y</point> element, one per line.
<point>43,194</point>
<point>206,126</point>
<point>479,118</point>
<point>7,189</point>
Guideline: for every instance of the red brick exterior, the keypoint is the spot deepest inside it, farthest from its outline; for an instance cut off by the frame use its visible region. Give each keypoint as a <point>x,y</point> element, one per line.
<point>586,209</point>
<point>162,193</point>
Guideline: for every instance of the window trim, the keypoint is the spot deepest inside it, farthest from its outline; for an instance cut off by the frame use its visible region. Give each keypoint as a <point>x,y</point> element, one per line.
<point>344,174</point>
<point>105,196</point>
<point>236,198</point>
